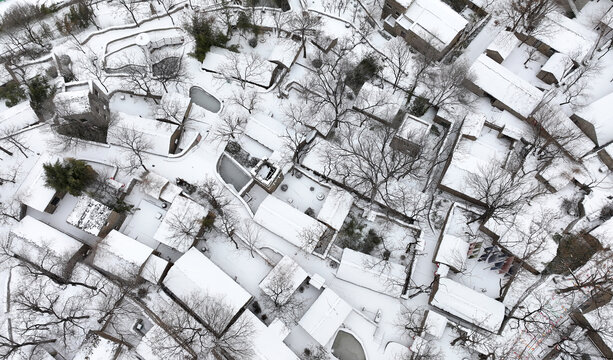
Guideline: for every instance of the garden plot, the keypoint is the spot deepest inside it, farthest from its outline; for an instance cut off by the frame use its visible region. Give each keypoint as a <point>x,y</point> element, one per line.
<point>380,237</point>
<point>130,55</point>
<point>133,105</point>
<point>302,192</point>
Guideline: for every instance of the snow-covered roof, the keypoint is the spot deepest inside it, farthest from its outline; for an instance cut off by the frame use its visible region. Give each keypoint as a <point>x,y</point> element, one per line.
<point>452,251</point>
<point>290,223</point>
<point>71,103</point>
<point>557,65</point>
<point>379,101</point>
<point>283,279</point>
<point>185,211</point>
<point>34,240</point>
<point>33,191</point>
<point>158,187</point>
<point>505,86</point>
<point>468,304</point>
<point>284,52</point>
<point>413,129</point>
<point>157,133</point>
<point>433,21</point>
<point>473,124</point>
<point>121,255</point>
<point>266,131</point>
<point>153,269</point>
<point>16,118</point>
<point>97,347</point>
<point>147,347</point>
<point>395,351</point>
<point>267,343</point>
<point>195,274</point>
<point>325,316</point>
<point>371,272</point>
<point>565,35</point>
<point>600,115</point>
<point>557,123</point>
<point>435,324</point>
<point>89,215</point>
<point>503,44</point>
<point>335,208</point>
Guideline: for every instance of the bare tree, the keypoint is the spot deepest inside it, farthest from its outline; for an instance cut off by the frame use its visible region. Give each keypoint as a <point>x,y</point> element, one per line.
<point>135,145</point>
<point>576,84</point>
<point>250,234</point>
<point>245,68</point>
<point>363,159</point>
<point>92,66</point>
<point>168,5</point>
<point>231,127</point>
<point>444,85</point>
<point>281,20</point>
<point>168,68</point>
<point>210,191</point>
<point>400,58</point>
<point>304,24</point>
<point>206,331</point>
<point>501,193</point>
<point>186,229</point>
<point>131,7</point>
<point>173,110</point>
<point>525,15</point>
<point>248,100</point>
<point>137,79</point>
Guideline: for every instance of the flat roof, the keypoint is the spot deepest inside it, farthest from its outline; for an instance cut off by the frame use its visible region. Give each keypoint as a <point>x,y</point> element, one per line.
<point>89,215</point>
<point>325,316</point>
<point>183,211</point>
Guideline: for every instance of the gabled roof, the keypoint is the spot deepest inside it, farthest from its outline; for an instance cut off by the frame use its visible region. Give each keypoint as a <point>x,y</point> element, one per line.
<point>468,304</point>
<point>600,115</point>
<point>288,222</point>
<point>37,241</point>
<point>195,274</point>
<point>372,273</point>
<point>121,255</point>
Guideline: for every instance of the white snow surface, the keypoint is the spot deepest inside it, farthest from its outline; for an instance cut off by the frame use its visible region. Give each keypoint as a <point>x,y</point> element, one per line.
<point>33,191</point>
<point>335,208</point>
<point>325,316</point>
<point>195,274</point>
<point>372,273</point>
<point>468,304</point>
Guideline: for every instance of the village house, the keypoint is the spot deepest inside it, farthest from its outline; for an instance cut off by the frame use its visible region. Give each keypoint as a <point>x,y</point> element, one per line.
<point>42,245</point>
<point>83,101</point>
<point>94,217</point>
<point>430,26</point>
<point>182,224</point>
<point>596,120</point>
<point>17,118</point>
<point>410,137</point>
<point>467,304</point>
<point>162,137</point>
<point>34,193</point>
<point>196,275</point>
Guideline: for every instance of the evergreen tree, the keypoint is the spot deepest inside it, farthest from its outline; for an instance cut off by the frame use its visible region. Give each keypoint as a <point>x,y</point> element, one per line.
<point>71,176</point>
<point>40,93</point>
